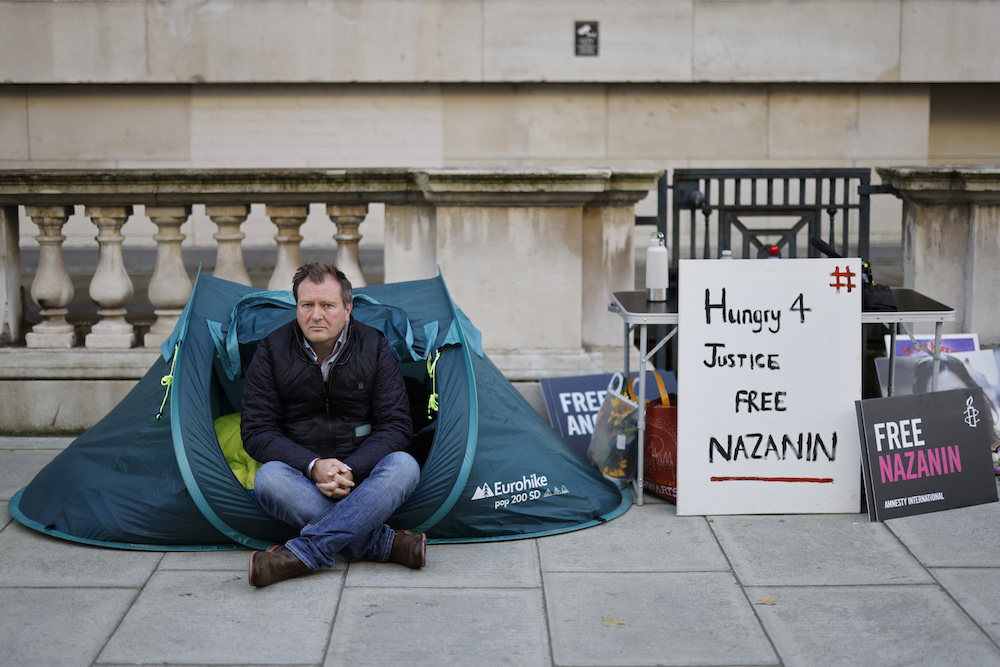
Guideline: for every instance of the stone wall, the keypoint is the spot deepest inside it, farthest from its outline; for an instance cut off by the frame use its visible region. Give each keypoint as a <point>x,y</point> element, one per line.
<point>497,41</point>
<point>465,83</point>
<point>951,241</point>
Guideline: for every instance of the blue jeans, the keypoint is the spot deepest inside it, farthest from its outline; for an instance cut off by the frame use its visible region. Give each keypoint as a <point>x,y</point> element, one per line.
<point>353,526</point>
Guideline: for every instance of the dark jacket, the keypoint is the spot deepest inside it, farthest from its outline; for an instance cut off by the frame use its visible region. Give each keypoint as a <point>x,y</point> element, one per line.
<point>291,415</point>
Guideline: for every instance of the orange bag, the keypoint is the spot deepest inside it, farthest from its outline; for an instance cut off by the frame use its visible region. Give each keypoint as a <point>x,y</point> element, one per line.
<point>659,470</point>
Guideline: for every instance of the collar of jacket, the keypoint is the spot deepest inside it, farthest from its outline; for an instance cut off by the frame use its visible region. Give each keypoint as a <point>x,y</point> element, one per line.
<point>300,338</point>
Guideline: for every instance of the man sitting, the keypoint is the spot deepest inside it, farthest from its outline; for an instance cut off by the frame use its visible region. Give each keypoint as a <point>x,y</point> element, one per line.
<point>326,411</point>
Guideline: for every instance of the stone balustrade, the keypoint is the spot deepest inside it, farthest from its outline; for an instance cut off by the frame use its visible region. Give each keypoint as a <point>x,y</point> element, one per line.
<point>530,255</point>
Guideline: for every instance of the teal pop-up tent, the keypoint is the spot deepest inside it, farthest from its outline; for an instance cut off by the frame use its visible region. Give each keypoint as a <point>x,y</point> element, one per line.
<point>153,475</point>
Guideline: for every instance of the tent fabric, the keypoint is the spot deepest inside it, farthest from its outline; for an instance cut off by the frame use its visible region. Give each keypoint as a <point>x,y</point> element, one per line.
<point>153,474</point>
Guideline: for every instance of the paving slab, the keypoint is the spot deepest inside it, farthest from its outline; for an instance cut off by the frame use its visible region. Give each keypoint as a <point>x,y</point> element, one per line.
<point>435,626</point>
<point>647,538</point>
<point>48,626</point>
<point>905,625</point>
<point>975,590</point>
<point>215,617</point>
<point>661,618</point>
<point>232,559</point>
<point>647,588</point>
<point>935,538</point>
<point>29,558</point>
<point>827,549</point>
<point>511,564</point>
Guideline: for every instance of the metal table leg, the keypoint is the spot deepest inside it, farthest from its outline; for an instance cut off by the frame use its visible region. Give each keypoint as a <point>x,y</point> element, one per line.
<point>937,356</point>
<point>640,415</point>
<point>892,358</point>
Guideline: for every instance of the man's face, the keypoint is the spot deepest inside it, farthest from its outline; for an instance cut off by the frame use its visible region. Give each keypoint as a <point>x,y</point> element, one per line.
<point>321,312</point>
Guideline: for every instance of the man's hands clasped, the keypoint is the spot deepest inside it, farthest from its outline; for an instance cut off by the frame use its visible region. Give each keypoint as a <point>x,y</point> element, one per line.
<point>333,478</point>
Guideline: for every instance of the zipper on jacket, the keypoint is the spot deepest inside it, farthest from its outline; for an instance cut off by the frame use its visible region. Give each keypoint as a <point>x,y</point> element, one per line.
<point>345,354</point>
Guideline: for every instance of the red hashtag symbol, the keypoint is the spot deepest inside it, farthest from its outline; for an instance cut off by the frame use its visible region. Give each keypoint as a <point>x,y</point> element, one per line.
<point>838,274</point>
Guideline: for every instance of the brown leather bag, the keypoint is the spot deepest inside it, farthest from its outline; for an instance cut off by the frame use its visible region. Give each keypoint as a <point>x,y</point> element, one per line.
<point>659,470</point>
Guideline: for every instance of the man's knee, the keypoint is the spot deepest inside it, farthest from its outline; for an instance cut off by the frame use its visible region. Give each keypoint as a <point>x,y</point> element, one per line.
<point>272,476</point>
<point>403,467</point>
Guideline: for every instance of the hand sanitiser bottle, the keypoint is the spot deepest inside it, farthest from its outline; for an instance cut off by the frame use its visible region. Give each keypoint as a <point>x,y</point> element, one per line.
<point>657,268</point>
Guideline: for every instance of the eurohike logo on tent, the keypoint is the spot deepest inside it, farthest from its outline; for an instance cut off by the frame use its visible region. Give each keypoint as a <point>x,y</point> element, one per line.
<point>521,490</point>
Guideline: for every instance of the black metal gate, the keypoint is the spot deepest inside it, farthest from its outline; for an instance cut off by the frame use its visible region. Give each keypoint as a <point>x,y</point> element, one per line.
<point>748,210</point>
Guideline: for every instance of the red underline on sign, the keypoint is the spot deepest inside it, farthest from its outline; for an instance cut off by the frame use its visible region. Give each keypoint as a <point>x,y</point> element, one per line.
<point>811,480</point>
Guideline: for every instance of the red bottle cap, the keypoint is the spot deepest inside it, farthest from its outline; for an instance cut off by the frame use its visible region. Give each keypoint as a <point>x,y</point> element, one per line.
<point>774,251</point>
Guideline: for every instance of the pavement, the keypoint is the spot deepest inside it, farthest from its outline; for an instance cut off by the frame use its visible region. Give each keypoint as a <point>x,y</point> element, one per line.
<point>648,588</point>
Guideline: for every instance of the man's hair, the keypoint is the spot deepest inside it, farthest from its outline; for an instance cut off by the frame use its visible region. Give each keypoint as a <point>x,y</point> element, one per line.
<point>317,273</point>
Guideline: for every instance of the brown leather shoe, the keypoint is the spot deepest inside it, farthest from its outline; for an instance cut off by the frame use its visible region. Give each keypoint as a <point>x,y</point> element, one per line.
<point>274,565</point>
<point>408,549</point>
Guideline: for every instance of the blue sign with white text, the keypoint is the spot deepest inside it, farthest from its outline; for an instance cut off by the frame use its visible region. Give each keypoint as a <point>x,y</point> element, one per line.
<point>573,402</point>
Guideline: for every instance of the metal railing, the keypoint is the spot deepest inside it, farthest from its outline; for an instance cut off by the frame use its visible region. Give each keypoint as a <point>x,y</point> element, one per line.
<point>748,210</point>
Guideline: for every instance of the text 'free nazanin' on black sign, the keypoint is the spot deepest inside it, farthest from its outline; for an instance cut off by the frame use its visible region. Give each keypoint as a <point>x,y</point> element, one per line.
<point>927,452</point>
<point>769,368</point>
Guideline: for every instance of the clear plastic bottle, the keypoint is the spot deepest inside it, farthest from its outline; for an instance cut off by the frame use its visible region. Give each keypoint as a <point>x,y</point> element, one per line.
<point>727,254</point>
<point>657,268</point>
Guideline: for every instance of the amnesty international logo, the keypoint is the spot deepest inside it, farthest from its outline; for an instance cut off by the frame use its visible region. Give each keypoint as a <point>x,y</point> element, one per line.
<point>971,414</point>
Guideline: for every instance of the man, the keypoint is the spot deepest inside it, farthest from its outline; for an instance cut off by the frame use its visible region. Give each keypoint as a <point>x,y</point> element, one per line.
<point>326,411</point>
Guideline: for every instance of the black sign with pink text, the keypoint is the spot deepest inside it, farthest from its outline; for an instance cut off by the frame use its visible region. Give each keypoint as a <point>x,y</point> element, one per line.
<point>927,452</point>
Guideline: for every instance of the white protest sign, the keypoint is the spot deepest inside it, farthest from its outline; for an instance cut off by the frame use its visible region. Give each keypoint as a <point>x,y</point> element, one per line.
<point>769,367</point>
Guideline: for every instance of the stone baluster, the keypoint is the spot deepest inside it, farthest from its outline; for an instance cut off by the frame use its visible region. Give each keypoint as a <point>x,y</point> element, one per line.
<point>229,263</point>
<point>170,286</point>
<point>11,308</point>
<point>111,287</point>
<point>52,288</point>
<point>347,219</point>
<point>288,220</point>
